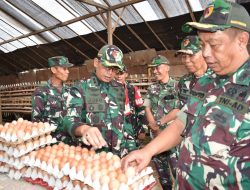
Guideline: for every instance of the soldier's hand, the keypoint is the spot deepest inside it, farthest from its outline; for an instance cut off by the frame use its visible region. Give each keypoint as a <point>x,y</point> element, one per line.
<point>140,157</point>
<point>153,126</point>
<point>92,136</point>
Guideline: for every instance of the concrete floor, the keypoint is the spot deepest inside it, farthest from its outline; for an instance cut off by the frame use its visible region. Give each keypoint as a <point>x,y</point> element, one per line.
<point>8,184</point>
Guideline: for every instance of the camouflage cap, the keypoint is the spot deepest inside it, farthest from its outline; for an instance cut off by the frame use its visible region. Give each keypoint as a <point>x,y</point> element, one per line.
<point>111,56</point>
<point>220,15</point>
<point>124,69</point>
<point>190,45</point>
<point>158,60</point>
<point>60,61</point>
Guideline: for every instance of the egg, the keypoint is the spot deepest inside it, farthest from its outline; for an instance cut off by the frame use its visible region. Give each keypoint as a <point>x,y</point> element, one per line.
<point>20,120</point>
<point>104,180</point>
<point>20,134</point>
<point>130,172</point>
<point>61,144</point>
<point>112,174</point>
<point>80,167</point>
<point>40,127</point>
<point>114,184</point>
<point>56,162</point>
<point>109,155</point>
<point>104,171</point>
<point>78,149</point>
<point>92,153</point>
<point>73,163</point>
<point>96,176</point>
<point>117,164</point>
<point>122,178</point>
<point>87,171</point>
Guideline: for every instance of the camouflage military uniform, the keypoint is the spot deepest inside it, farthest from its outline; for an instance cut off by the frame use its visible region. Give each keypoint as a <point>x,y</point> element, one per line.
<point>186,84</point>
<point>163,98</point>
<point>219,109</point>
<point>136,114</point>
<point>48,105</point>
<point>101,105</point>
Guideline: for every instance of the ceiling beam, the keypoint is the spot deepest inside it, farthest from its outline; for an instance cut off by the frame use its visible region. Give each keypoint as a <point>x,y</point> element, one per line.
<point>161,7</point>
<point>151,29</point>
<point>93,3</point>
<point>190,10</point>
<point>73,20</point>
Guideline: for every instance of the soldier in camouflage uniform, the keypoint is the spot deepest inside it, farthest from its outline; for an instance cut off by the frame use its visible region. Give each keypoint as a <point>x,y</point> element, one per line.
<point>48,101</point>
<point>95,107</point>
<point>191,57</point>
<point>214,153</point>
<point>134,109</point>
<point>161,107</point>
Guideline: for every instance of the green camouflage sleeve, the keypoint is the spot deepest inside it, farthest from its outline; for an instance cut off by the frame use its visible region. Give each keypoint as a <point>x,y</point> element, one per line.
<point>75,115</point>
<point>38,102</point>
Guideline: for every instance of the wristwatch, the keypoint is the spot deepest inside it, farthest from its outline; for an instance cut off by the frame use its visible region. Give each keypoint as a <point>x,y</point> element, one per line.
<point>158,122</point>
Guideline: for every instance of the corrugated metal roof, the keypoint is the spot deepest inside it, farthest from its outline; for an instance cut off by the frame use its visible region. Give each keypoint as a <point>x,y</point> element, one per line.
<point>26,25</point>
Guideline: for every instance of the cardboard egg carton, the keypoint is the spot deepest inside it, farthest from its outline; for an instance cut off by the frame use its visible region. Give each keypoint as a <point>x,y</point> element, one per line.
<point>15,162</point>
<point>19,131</point>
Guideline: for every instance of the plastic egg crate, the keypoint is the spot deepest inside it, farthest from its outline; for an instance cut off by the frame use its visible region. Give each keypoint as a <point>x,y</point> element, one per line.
<point>27,146</point>
<point>15,162</point>
<point>16,173</point>
<point>22,130</point>
<point>4,168</point>
<point>37,173</point>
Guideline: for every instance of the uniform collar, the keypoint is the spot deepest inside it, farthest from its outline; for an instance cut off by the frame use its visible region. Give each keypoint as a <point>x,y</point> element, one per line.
<point>51,85</point>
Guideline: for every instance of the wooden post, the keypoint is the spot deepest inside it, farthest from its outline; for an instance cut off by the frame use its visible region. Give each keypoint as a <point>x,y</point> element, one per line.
<point>109,29</point>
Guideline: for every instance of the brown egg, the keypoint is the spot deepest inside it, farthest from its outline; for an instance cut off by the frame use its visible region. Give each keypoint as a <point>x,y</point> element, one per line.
<point>104,180</point>
<point>92,153</point>
<point>87,171</point>
<point>112,174</point>
<point>56,162</point>
<point>20,134</point>
<point>103,154</point>
<point>114,184</point>
<point>61,144</point>
<point>122,178</point>
<point>78,149</point>
<point>80,167</point>
<point>73,163</point>
<point>104,171</point>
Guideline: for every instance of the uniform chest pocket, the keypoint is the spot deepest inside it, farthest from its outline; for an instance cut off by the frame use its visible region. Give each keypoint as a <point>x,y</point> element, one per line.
<point>53,106</point>
<point>220,126</point>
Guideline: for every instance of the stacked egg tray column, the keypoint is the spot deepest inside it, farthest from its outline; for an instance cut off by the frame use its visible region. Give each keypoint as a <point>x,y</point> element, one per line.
<point>19,138</point>
<point>74,168</point>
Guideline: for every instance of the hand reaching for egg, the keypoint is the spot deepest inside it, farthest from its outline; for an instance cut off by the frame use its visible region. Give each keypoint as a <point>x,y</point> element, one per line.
<point>93,137</point>
<point>138,158</point>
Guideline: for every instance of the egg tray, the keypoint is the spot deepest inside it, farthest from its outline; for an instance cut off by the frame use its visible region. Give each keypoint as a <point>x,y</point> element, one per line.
<point>16,173</point>
<point>13,140</point>
<point>15,162</point>
<point>96,184</point>
<point>4,168</point>
<point>27,146</point>
<point>142,184</point>
<point>37,173</point>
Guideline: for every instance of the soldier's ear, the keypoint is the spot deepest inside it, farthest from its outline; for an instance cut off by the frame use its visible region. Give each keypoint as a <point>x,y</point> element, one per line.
<point>96,62</point>
<point>53,70</point>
